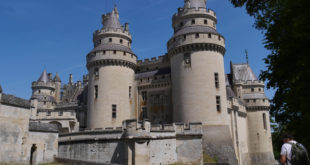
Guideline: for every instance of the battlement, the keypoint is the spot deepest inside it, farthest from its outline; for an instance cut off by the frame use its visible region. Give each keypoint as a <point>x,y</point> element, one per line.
<point>182,12</point>
<point>249,82</point>
<point>112,30</point>
<point>153,60</point>
<point>51,85</point>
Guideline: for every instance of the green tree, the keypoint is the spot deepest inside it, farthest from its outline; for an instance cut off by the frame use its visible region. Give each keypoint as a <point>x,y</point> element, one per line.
<point>286,28</point>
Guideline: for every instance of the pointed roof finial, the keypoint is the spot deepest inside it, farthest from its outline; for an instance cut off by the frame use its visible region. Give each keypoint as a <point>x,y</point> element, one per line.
<point>43,77</point>
<point>115,9</point>
<point>247,56</point>
<point>57,78</point>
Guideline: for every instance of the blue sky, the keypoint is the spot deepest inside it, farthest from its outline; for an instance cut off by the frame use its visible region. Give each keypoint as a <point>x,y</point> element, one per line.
<point>57,35</point>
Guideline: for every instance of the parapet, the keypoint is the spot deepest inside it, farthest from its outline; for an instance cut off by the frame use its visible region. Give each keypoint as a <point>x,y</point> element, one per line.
<point>51,85</point>
<point>249,82</point>
<point>153,60</point>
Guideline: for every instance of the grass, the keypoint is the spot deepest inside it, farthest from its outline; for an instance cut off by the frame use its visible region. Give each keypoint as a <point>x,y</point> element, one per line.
<point>208,159</point>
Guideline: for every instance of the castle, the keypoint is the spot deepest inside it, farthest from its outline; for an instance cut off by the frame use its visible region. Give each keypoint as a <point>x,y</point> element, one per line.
<point>174,108</point>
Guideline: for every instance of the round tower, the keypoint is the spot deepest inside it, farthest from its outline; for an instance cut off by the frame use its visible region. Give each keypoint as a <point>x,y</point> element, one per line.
<point>44,91</point>
<point>111,66</point>
<point>196,52</point>
<point>57,82</point>
<point>251,90</point>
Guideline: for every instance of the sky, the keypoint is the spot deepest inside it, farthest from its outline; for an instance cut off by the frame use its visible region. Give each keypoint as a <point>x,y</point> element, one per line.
<point>56,35</point>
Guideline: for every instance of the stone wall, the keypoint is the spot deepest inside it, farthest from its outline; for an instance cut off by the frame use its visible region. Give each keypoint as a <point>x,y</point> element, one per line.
<point>134,143</point>
<point>18,136</point>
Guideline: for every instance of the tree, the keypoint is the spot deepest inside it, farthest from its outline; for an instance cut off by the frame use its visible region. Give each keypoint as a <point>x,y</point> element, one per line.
<point>286,28</point>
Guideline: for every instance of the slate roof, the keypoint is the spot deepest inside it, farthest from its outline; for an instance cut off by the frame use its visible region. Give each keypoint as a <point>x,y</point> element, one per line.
<point>243,72</point>
<point>110,47</point>
<point>111,20</point>
<point>254,96</point>
<point>15,101</point>
<point>43,127</point>
<point>197,3</point>
<point>153,73</point>
<point>195,29</point>
<point>43,77</point>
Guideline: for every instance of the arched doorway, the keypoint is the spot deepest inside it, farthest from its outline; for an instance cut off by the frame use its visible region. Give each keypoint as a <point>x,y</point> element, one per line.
<point>33,154</point>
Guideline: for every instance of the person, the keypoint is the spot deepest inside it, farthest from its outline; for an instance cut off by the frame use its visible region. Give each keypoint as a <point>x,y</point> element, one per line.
<point>289,152</point>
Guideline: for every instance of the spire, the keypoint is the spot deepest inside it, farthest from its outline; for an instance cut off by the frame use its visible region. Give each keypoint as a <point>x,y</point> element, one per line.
<point>43,77</point>
<point>246,56</point>
<point>111,20</point>
<point>57,78</point>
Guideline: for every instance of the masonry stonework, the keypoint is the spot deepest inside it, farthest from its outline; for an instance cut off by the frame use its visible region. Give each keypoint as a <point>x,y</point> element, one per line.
<point>176,108</point>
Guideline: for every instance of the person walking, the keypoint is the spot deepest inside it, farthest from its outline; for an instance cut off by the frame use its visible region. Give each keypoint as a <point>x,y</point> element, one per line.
<point>293,153</point>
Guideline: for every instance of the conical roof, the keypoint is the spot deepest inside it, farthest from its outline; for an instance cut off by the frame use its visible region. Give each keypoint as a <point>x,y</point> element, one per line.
<point>43,77</point>
<point>57,78</point>
<point>111,20</point>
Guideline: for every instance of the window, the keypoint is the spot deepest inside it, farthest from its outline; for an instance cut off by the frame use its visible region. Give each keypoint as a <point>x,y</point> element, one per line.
<point>104,52</point>
<point>144,113</point>
<point>39,91</point>
<point>187,59</point>
<point>124,53</point>
<point>252,89</point>
<point>184,37</point>
<point>129,91</point>
<point>254,100</point>
<point>264,121</point>
<point>44,102</point>
<point>216,79</point>
<point>209,35</point>
<point>206,21</point>
<point>197,35</point>
<point>247,100</point>
<point>60,113</point>
<point>114,111</point>
<point>259,89</point>
<point>193,22</point>
<point>144,95</point>
<point>49,113</point>
<point>174,39</point>
<point>114,52</point>
<point>219,37</point>
<point>218,103</point>
<point>121,41</point>
<point>264,100</point>
<point>181,24</point>
<point>96,73</point>
<point>110,39</point>
<point>96,91</point>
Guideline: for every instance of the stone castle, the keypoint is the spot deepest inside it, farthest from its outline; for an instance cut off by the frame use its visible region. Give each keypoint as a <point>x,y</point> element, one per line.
<point>177,108</point>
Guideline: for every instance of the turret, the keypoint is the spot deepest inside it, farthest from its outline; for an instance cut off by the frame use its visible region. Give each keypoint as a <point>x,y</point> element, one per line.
<point>44,90</point>
<point>57,82</point>
<point>196,52</point>
<point>251,90</point>
<point>111,66</point>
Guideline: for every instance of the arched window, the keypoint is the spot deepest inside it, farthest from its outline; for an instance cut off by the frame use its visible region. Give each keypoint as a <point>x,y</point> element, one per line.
<point>265,121</point>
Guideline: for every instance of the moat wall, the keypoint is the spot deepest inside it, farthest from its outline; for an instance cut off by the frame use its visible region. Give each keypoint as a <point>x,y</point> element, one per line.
<point>135,143</point>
